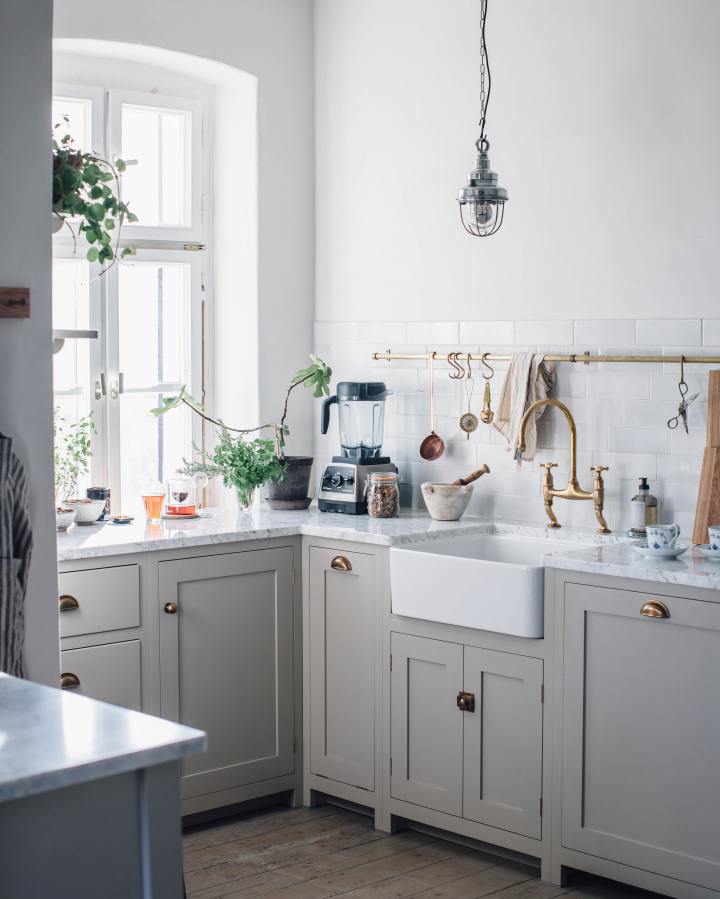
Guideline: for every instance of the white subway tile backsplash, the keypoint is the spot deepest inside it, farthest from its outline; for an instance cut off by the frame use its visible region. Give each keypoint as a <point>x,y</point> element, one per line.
<point>626,384</point>
<point>383,333</point>
<point>621,410</point>
<point>669,331</point>
<point>711,331</point>
<point>487,333</point>
<point>544,331</point>
<point>591,332</point>
<point>639,440</point>
<point>433,332</point>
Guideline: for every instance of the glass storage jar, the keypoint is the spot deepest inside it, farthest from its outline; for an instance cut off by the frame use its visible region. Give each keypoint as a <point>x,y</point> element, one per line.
<point>383,494</point>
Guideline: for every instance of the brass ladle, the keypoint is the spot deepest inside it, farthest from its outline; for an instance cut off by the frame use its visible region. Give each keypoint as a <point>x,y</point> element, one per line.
<point>433,445</point>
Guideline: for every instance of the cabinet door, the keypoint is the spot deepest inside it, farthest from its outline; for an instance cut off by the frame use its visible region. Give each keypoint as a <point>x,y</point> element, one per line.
<point>342,659</point>
<point>641,731</point>
<point>503,741</point>
<point>110,672</point>
<point>226,664</point>
<point>426,728</point>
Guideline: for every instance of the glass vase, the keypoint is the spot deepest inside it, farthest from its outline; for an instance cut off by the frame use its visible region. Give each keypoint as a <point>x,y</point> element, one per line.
<point>245,499</point>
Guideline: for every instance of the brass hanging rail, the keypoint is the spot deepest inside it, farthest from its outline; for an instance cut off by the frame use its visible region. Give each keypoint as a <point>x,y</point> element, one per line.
<point>586,358</point>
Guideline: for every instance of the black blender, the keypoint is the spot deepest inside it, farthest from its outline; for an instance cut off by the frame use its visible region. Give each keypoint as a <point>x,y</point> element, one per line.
<point>361,412</point>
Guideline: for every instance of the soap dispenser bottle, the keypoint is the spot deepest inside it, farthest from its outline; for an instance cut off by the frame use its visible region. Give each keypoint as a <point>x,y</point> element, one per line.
<point>643,509</point>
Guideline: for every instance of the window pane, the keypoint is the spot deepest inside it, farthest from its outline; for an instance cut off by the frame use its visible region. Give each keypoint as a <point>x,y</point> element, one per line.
<point>154,319</point>
<point>79,112</point>
<point>156,146</point>
<point>151,449</point>
<point>154,348</point>
<point>71,366</point>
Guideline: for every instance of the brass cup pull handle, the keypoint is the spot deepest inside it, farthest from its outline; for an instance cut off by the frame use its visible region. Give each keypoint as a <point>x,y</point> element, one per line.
<point>170,608</point>
<point>69,681</point>
<point>466,701</point>
<point>68,603</point>
<point>654,609</point>
<point>341,563</point>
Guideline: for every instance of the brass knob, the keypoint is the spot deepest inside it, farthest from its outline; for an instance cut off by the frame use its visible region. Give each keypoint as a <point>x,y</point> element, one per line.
<point>466,701</point>
<point>68,603</point>
<point>341,563</point>
<point>69,681</point>
<point>170,608</point>
<point>654,609</point>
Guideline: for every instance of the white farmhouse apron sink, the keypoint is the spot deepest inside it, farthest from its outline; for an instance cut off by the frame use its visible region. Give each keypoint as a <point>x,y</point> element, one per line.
<point>490,582</point>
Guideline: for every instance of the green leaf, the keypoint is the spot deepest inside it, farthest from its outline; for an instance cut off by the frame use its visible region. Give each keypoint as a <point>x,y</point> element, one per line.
<point>92,254</point>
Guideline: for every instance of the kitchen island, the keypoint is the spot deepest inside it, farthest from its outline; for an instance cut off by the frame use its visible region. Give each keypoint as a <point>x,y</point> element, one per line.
<point>89,797</point>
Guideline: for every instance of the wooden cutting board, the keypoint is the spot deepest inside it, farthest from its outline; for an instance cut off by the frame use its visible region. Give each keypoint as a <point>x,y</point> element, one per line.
<point>707,511</point>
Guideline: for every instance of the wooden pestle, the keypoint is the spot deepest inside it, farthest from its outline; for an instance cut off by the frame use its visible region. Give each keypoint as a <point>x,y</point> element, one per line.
<point>463,482</point>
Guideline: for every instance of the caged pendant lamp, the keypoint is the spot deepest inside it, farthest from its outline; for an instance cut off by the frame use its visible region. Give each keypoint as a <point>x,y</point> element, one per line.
<point>482,201</point>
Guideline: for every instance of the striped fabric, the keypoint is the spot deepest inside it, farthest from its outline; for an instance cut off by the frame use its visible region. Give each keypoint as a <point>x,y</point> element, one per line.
<point>15,550</point>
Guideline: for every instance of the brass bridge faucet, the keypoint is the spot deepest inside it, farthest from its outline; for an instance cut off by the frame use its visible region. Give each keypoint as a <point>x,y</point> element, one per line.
<point>573,489</point>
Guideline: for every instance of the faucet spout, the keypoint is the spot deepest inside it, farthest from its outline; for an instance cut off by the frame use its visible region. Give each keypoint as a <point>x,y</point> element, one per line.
<point>538,404</point>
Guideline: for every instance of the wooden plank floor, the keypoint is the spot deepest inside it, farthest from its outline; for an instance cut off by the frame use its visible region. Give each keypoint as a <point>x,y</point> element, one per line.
<point>325,852</point>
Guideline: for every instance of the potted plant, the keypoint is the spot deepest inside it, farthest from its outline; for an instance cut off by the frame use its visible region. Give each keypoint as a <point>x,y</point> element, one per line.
<point>242,464</point>
<point>72,459</point>
<point>288,481</point>
<point>88,187</point>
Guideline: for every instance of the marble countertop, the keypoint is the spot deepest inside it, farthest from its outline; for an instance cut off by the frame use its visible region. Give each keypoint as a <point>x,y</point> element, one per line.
<point>610,555</point>
<point>50,738</point>
<point>621,560</point>
<point>232,527</point>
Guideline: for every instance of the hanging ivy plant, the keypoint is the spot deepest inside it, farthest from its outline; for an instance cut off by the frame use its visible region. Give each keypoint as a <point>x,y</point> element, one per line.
<point>88,187</point>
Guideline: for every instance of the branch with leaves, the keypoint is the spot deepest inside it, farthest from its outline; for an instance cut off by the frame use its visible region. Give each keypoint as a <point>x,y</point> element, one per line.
<point>315,376</point>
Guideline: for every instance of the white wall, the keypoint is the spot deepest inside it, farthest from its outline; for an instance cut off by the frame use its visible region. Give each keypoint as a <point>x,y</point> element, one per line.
<point>604,126</point>
<point>273,41</point>
<point>25,345</point>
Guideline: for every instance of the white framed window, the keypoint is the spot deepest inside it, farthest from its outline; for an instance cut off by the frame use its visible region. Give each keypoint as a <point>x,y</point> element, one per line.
<point>149,307</point>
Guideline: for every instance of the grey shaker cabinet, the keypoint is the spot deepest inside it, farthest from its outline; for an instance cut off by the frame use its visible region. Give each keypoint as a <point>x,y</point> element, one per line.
<point>483,765</point>
<point>502,783</point>
<point>227,666</point>
<point>341,665</point>
<point>426,727</point>
<point>109,672</point>
<point>641,731</point>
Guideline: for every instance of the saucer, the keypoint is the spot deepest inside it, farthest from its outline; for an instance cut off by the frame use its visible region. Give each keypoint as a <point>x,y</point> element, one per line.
<point>713,554</point>
<point>666,553</point>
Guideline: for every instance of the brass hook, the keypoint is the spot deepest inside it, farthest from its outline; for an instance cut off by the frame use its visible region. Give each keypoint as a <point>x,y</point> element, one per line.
<point>458,372</point>
<point>487,365</point>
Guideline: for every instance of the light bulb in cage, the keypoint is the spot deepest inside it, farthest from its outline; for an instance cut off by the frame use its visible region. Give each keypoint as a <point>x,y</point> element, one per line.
<point>482,201</point>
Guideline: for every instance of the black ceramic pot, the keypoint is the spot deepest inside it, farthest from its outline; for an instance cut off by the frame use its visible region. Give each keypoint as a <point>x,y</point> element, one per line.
<point>295,486</point>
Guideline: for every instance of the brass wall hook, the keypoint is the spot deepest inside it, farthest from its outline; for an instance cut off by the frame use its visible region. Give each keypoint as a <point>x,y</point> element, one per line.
<point>458,372</point>
<point>487,365</point>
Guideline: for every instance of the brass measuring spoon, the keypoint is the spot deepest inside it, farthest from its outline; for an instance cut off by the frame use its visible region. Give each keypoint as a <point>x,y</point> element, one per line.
<point>469,421</point>
<point>433,445</point>
<point>487,414</point>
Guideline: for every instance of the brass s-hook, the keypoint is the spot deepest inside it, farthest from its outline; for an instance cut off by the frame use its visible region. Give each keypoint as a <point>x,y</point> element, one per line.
<point>487,365</point>
<point>458,372</point>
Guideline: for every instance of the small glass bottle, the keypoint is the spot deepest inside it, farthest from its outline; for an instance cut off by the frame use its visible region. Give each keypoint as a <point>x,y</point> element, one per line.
<point>383,494</point>
<point>643,509</point>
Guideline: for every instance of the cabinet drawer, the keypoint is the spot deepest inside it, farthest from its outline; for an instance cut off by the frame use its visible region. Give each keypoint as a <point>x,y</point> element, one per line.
<point>98,600</point>
<point>110,672</point>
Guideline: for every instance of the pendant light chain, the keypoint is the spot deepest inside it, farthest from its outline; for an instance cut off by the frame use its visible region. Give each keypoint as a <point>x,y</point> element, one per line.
<point>485,77</point>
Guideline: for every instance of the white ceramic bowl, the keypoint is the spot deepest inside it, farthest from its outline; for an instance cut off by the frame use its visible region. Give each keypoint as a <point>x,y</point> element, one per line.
<point>64,518</point>
<point>446,502</point>
<point>87,511</point>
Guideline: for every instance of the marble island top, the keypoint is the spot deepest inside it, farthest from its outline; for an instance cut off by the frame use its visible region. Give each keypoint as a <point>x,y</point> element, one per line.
<point>610,555</point>
<point>50,738</point>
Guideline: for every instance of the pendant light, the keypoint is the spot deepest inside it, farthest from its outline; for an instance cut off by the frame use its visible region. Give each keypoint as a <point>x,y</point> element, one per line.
<point>482,202</point>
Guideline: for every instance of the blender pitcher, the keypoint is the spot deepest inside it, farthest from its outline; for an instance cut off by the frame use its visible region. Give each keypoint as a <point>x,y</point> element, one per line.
<point>361,412</point>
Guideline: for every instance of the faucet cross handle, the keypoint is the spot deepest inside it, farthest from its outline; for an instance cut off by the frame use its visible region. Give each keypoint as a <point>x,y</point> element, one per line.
<point>548,466</point>
<point>599,469</point>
